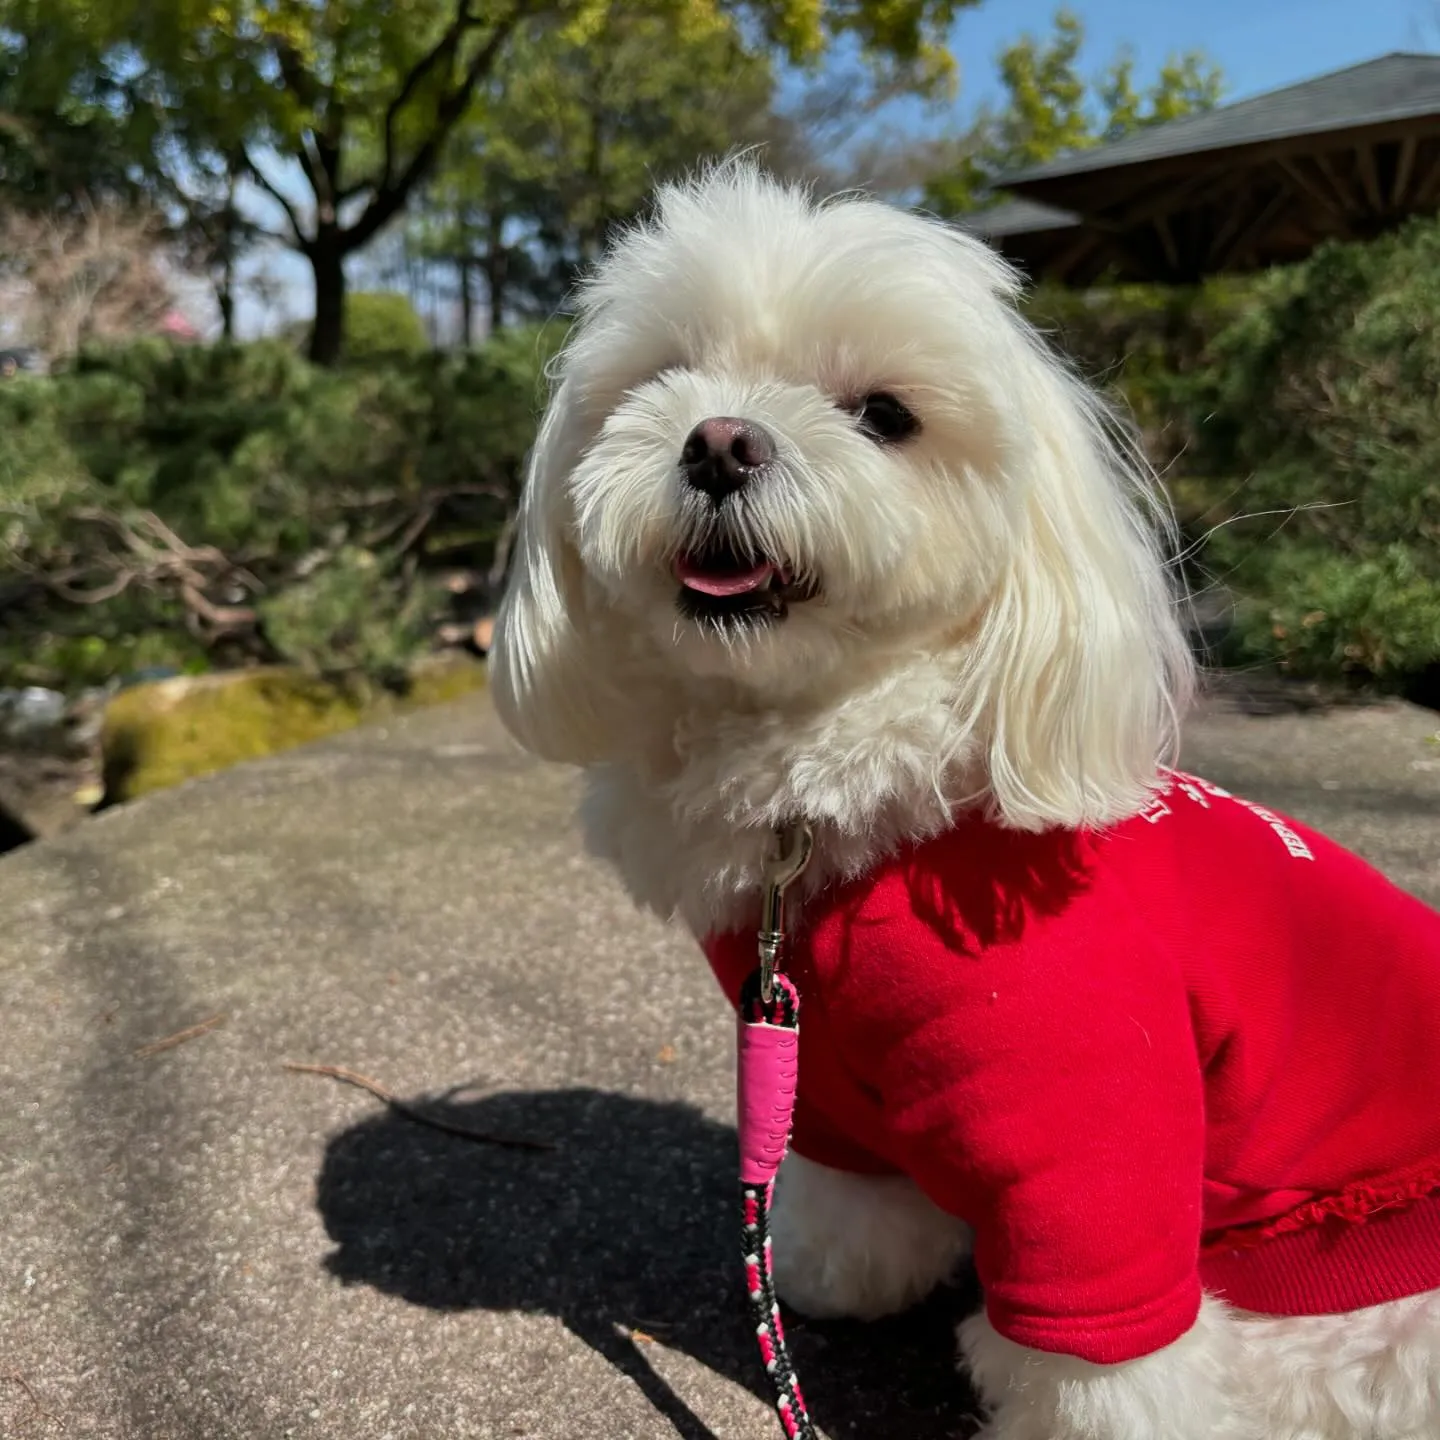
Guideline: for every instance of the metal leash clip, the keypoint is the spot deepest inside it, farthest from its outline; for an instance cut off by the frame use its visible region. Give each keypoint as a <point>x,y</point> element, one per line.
<point>795,844</point>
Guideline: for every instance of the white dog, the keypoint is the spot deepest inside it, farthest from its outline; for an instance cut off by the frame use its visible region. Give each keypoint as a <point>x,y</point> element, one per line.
<point>817,529</point>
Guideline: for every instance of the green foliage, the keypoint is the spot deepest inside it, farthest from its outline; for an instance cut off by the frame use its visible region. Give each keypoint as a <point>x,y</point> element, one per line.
<point>1051,108</point>
<point>1186,85</point>
<point>268,479</point>
<point>1047,99</point>
<point>1320,402</point>
<point>571,137</point>
<point>350,616</point>
<point>1315,613</point>
<point>382,323</point>
<point>51,156</point>
<point>1293,416</point>
<point>360,97</point>
<point>120,639</point>
<point>1150,345</point>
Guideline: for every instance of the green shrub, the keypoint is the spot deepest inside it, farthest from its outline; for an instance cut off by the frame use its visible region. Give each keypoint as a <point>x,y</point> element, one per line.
<point>380,324</point>
<point>1145,344</point>
<point>348,617</point>
<point>288,470</point>
<point>1320,401</point>
<point>1313,612</point>
<point>1294,417</point>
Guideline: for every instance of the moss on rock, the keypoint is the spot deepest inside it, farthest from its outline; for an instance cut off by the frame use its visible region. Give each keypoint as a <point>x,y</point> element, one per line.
<point>160,734</point>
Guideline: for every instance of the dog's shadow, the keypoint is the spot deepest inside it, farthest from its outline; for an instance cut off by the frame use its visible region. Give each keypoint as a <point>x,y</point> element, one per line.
<point>628,1225</point>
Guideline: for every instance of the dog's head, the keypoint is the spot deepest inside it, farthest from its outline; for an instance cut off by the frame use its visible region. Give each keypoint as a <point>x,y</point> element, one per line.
<point>789,438</point>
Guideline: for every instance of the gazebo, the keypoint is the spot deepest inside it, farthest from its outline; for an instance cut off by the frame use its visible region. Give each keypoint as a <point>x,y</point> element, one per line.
<point>1260,182</point>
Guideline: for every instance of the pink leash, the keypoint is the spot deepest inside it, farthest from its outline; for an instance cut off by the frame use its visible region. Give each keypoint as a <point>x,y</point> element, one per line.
<point>768,1051</point>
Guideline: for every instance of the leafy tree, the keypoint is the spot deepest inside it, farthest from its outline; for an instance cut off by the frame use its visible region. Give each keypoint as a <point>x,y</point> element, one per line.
<point>1186,85</point>
<point>1048,108</point>
<point>1051,108</point>
<point>382,323</point>
<point>569,138</point>
<point>87,274</point>
<point>361,97</point>
<point>61,145</point>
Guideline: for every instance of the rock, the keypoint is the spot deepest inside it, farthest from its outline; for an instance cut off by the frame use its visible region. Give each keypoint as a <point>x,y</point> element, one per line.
<point>31,716</point>
<point>49,761</point>
<point>162,733</point>
<point>199,1243</point>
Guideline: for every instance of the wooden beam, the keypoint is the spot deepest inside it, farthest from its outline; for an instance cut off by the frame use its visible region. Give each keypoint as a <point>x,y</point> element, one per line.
<point>1167,242</point>
<point>1160,202</point>
<point>1221,258</point>
<point>1155,204</point>
<point>1404,164</point>
<point>1301,181</point>
<point>1070,258</point>
<point>1369,176</point>
<point>1243,211</point>
<point>1424,191</point>
<point>1346,196</point>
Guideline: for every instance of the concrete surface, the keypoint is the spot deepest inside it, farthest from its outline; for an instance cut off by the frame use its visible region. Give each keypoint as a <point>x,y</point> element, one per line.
<point>200,1244</point>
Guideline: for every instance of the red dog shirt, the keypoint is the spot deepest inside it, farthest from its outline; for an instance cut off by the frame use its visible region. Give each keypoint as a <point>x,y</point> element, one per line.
<point>1198,1049</point>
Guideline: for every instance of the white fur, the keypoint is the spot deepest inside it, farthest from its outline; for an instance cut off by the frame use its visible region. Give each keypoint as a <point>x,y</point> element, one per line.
<point>858,1246</point>
<point>1370,1375</point>
<point>1187,1389</point>
<point>995,625</point>
<point>994,628</point>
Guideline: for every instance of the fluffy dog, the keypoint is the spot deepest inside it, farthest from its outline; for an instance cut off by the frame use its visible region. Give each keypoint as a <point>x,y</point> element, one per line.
<point>818,529</point>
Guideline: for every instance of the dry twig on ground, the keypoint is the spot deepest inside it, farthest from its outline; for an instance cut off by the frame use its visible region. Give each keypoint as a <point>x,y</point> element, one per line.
<point>190,1032</point>
<point>411,1112</point>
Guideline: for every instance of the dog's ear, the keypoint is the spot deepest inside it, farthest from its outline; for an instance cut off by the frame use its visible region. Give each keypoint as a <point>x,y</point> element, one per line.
<point>547,671</point>
<point>1082,655</point>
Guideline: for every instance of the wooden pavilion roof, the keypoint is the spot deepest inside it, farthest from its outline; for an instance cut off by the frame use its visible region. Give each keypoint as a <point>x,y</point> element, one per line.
<point>1346,156</point>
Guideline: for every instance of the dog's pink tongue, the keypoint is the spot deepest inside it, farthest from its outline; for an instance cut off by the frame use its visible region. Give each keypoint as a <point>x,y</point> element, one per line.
<point>729,582</point>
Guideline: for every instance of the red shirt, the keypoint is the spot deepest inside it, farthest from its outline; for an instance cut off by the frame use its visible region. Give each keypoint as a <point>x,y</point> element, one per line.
<point>1193,1050</point>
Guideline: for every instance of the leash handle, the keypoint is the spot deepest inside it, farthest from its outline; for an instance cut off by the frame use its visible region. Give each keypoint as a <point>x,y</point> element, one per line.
<point>769,1071</point>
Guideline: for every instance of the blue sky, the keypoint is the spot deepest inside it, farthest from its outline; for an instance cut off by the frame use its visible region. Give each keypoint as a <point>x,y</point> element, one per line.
<point>1258,44</point>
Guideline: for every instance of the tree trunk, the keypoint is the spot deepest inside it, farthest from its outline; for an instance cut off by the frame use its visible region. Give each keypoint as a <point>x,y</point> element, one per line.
<point>225,291</point>
<point>229,227</point>
<point>327,260</point>
<point>500,560</point>
<point>467,302</point>
<point>496,262</point>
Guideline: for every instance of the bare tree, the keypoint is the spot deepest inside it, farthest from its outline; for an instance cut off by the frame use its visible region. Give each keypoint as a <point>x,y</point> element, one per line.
<point>98,272</point>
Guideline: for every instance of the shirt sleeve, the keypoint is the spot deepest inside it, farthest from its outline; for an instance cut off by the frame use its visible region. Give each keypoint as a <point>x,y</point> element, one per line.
<point>1045,1087</point>
<point>815,1138</point>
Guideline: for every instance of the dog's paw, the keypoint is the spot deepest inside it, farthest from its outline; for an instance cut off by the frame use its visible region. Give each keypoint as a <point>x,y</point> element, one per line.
<point>858,1246</point>
<point>1190,1390</point>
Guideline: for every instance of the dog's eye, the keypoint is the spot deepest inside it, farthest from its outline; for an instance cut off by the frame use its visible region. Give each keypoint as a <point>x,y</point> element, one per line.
<point>883,417</point>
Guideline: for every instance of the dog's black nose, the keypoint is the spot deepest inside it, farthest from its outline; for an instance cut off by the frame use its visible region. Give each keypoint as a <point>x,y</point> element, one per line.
<point>721,454</point>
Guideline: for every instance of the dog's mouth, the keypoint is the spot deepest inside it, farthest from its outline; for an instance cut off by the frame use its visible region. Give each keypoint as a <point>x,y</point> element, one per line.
<point>724,586</point>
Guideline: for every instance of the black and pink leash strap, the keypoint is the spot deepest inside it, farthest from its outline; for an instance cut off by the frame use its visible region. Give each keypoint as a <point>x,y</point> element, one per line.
<point>768,1072</point>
